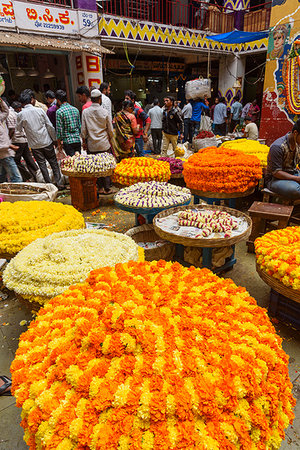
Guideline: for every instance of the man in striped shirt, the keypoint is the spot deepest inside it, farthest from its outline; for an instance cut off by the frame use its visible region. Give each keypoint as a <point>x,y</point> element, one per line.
<point>68,125</point>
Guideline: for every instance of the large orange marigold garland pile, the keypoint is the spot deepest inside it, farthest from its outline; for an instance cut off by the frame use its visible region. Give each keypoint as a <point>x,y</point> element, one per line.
<point>215,169</point>
<point>152,356</point>
<point>278,254</point>
<point>133,170</point>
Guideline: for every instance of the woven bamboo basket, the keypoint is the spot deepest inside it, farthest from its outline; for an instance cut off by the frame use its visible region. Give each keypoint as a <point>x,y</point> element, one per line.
<point>223,195</point>
<point>141,210</point>
<point>201,242</point>
<point>278,286</point>
<point>7,255</point>
<point>106,173</point>
<point>146,233</point>
<point>17,189</point>
<point>176,175</point>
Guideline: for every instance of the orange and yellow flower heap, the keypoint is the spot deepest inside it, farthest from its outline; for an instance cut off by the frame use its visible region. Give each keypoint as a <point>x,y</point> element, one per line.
<point>133,170</point>
<point>23,222</point>
<point>278,254</point>
<point>152,355</point>
<point>249,147</point>
<point>215,169</point>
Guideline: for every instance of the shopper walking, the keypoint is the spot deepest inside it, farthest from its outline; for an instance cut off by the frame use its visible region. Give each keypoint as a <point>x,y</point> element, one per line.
<point>19,139</point>
<point>220,117</point>
<point>67,125</point>
<point>155,114</point>
<point>106,101</point>
<point>198,107</point>
<point>84,96</point>
<point>254,111</point>
<point>187,112</point>
<point>143,120</point>
<point>52,107</point>
<point>172,124</point>
<point>97,132</point>
<point>40,135</point>
<point>8,167</point>
<point>126,129</point>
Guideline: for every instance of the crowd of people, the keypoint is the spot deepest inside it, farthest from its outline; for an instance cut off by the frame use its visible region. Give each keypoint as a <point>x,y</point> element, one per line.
<point>41,134</point>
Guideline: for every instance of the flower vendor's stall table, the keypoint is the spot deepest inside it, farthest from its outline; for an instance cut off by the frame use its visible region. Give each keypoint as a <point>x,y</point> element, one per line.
<point>83,187</point>
<point>215,197</point>
<point>149,198</point>
<point>168,226</point>
<point>277,257</point>
<point>220,173</point>
<point>152,355</point>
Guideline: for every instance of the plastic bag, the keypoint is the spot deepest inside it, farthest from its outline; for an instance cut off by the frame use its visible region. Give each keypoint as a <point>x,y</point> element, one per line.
<point>203,143</point>
<point>199,88</point>
<point>205,124</point>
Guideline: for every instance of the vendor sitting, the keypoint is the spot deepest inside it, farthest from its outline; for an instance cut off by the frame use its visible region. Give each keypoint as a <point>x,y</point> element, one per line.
<point>251,130</point>
<point>282,175</point>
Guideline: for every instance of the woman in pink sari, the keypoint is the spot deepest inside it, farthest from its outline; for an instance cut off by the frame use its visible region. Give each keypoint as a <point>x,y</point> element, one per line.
<point>254,111</point>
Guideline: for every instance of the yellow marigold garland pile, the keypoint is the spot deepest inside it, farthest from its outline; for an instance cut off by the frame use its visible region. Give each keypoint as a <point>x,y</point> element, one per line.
<point>215,169</point>
<point>278,254</point>
<point>133,170</point>
<point>23,222</point>
<point>249,147</point>
<point>149,356</point>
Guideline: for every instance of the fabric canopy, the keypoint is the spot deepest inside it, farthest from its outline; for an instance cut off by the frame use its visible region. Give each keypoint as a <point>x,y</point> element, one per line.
<point>239,37</point>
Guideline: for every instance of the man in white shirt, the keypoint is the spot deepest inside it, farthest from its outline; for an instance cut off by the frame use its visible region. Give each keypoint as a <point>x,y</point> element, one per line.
<point>251,130</point>
<point>156,114</point>
<point>40,135</point>
<point>96,132</point>
<point>106,101</point>
<point>20,140</point>
<point>187,126</point>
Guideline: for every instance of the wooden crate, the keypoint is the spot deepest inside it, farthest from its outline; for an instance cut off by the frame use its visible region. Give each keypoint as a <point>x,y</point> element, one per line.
<point>83,193</point>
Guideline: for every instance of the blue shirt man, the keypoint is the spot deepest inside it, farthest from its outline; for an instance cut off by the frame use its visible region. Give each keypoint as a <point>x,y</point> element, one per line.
<point>198,106</point>
<point>236,111</point>
<point>220,116</point>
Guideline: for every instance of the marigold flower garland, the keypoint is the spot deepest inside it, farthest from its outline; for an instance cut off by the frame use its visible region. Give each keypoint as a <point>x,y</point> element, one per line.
<point>215,169</point>
<point>48,266</point>
<point>278,254</point>
<point>149,356</point>
<point>23,222</point>
<point>249,147</point>
<point>153,194</point>
<point>132,170</point>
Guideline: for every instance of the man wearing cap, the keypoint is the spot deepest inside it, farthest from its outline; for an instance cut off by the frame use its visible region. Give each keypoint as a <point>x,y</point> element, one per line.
<point>96,132</point>
<point>67,125</point>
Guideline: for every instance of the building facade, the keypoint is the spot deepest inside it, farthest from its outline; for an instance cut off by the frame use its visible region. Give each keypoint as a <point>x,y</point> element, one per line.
<point>49,46</point>
<point>281,100</point>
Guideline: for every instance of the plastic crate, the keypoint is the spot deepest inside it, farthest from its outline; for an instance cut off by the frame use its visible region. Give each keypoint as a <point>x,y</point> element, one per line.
<point>83,193</point>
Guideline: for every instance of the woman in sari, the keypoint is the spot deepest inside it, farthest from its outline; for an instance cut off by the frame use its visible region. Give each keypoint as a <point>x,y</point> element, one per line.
<point>126,129</point>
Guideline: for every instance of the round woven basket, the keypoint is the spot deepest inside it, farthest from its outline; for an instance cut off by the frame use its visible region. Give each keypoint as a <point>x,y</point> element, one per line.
<point>176,175</point>
<point>106,173</point>
<point>146,233</point>
<point>7,255</point>
<point>201,242</point>
<point>222,194</point>
<point>278,286</point>
<point>140,210</point>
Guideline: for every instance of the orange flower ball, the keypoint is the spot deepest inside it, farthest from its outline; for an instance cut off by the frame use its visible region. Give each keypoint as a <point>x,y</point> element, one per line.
<point>215,169</point>
<point>133,170</point>
<point>149,356</point>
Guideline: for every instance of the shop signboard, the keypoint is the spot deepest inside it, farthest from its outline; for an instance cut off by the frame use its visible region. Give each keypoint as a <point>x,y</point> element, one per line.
<point>7,15</point>
<point>35,17</point>
<point>47,19</point>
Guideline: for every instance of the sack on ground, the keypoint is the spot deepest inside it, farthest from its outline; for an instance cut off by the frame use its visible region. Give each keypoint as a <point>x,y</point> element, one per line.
<point>198,144</point>
<point>15,192</point>
<point>205,124</point>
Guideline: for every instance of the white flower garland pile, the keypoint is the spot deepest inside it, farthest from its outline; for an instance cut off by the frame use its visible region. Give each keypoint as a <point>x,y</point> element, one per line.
<point>48,266</point>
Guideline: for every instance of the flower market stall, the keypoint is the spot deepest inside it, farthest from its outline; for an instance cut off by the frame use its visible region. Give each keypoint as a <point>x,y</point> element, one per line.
<point>83,172</point>
<point>190,363</point>
<point>149,198</point>
<point>23,222</point>
<point>134,170</point>
<point>48,266</point>
<point>205,226</point>
<point>249,147</point>
<point>277,257</point>
<point>215,173</point>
